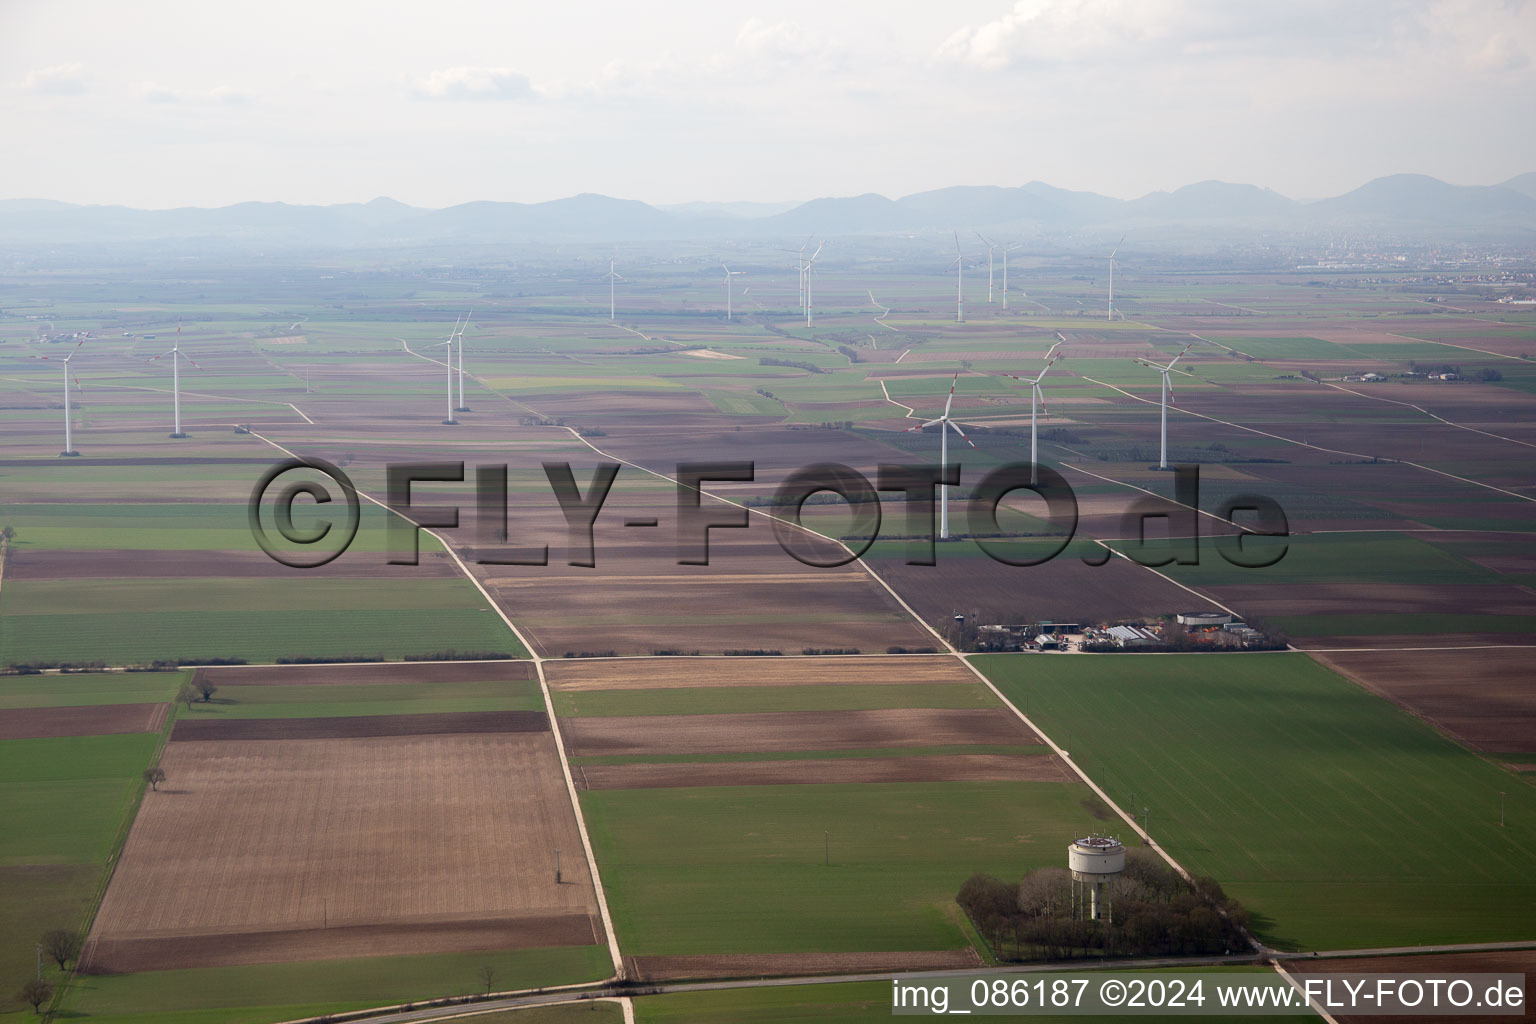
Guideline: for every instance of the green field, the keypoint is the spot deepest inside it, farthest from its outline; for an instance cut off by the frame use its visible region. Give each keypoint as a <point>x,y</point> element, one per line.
<point>88,688</point>
<point>740,869</point>
<point>260,993</point>
<point>128,621</point>
<point>1337,819</point>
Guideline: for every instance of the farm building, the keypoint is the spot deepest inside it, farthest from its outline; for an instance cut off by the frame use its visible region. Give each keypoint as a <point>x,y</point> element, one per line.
<point>1203,618</point>
<point>1133,636</point>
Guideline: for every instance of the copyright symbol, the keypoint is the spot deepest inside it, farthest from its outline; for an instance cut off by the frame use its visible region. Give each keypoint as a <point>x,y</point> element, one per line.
<point>282,514</point>
<point>1112,993</point>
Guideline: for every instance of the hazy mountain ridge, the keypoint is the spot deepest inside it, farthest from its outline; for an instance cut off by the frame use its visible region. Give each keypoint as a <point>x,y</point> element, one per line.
<point>1401,203</point>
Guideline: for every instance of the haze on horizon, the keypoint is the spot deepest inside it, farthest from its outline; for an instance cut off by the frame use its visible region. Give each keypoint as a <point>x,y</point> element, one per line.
<point>185,103</point>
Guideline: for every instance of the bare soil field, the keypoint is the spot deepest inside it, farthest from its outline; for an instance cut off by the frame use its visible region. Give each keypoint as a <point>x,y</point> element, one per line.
<point>362,675</point>
<point>447,838</point>
<point>64,564</point>
<point>144,952</point>
<point>1485,698</point>
<point>765,732</point>
<point>757,965</point>
<point>360,726</point>
<point>675,673</point>
<point>101,720</point>
<point>1379,599</point>
<point>1430,965</point>
<point>941,768</point>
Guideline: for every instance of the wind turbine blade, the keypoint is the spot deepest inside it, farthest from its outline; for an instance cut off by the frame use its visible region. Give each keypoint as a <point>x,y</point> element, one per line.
<point>1050,355</point>
<point>1117,247</point>
<point>1180,355</point>
<point>1040,397</point>
<point>924,426</point>
<point>1168,382</point>
<point>951,400</point>
<point>957,430</point>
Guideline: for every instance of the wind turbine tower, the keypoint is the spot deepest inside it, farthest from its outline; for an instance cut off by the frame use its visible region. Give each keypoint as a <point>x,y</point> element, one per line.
<point>1036,403</point>
<point>448,365</point>
<point>991,248</point>
<point>810,266</point>
<point>1006,250</point>
<point>959,266</point>
<point>1167,397</point>
<point>69,445</point>
<point>176,358</point>
<point>729,273</point>
<point>612,277</point>
<point>945,425</point>
<point>460,336</point>
<point>1112,276</point>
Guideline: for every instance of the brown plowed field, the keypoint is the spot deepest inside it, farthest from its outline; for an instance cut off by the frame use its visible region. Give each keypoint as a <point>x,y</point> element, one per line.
<point>115,563</point>
<point>676,673</point>
<point>410,832</point>
<point>360,726</point>
<point>1485,698</point>
<point>1379,598</point>
<point>383,672</point>
<point>128,953</point>
<point>1426,966</point>
<point>768,732</point>
<point>758,965</point>
<point>945,768</point>
<point>101,720</point>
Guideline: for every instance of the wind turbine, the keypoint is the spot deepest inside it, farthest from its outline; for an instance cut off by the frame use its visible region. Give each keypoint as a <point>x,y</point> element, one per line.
<point>945,424</point>
<point>959,266</point>
<point>991,248</point>
<point>448,363</point>
<point>1167,397</point>
<point>1112,277</point>
<point>612,277</point>
<point>460,336</point>
<point>1006,250</point>
<point>729,273</point>
<point>1036,402</point>
<point>800,269</point>
<point>810,266</point>
<point>176,358</point>
<point>69,446</point>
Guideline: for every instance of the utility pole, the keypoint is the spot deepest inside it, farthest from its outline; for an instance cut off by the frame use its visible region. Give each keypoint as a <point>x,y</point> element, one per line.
<point>827,856</point>
<point>325,913</point>
<point>1146,820</point>
<point>557,867</point>
<point>1501,808</point>
<point>39,961</point>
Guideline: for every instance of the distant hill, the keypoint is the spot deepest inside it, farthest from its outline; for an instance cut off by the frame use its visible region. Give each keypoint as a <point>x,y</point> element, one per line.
<point>1400,203</point>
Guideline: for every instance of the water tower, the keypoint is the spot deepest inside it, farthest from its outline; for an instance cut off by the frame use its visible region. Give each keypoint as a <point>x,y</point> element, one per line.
<point>1095,863</point>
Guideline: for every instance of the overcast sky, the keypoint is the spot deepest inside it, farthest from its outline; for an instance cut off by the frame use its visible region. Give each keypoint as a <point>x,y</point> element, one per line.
<point>207,102</point>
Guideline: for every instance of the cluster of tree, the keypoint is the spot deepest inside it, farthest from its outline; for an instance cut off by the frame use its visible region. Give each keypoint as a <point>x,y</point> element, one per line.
<point>1155,911</point>
<point>540,421</point>
<point>1489,374</point>
<point>452,655</point>
<point>751,652</point>
<point>7,533</point>
<point>674,652</point>
<point>588,654</point>
<point>830,650</point>
<point>793,363</point>
<point>911,650</point>
<point>198,688</point>
<point>591,432</point>
<point>321,659</point>
<point>61,946</point>
<point>852,354</point>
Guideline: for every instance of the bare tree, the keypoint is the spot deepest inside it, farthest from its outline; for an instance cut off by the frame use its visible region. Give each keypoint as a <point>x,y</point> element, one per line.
<point>487,975</point>
<point>205,688</point>
<point>7,532</point>
<point>36,992</point>
<point>62,945</point>
<point>1045,892</point>
<point>154,776</point>
<point>186,695</point>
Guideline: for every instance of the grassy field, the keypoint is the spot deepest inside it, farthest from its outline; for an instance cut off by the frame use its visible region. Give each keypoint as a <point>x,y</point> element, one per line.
<point>740,870</point>
<point>86,689</point>
<point>1337,819</point>
<point>260,993</point>
<point>742,699</point>
<point>66,802</point>
<point>126,621</point>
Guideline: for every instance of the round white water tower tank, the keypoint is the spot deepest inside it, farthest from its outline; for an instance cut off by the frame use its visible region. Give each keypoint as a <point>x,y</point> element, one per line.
<point>1095,857</point>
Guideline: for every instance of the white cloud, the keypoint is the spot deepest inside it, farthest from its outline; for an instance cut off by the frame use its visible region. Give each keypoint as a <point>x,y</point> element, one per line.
<point>475,84</point>
<point>152,92</point>
<point>59,80</point>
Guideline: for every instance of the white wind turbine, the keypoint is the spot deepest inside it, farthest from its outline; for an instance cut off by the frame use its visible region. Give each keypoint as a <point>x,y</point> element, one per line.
<point>991,248</point>
<point>69,446</point>
<point>176,358</point>
<point>1006,250</point>
<point>1167,397</point>
<point>959,266</point>
<point>448,364</point>
<point>945,424</point>
<point>459,334</point>
<point>800,269</point>
<point>810,266</point>
<point>1036,402</point>
<point>1112,276</point>
<point>729,273</point>
<point>612,277</point>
